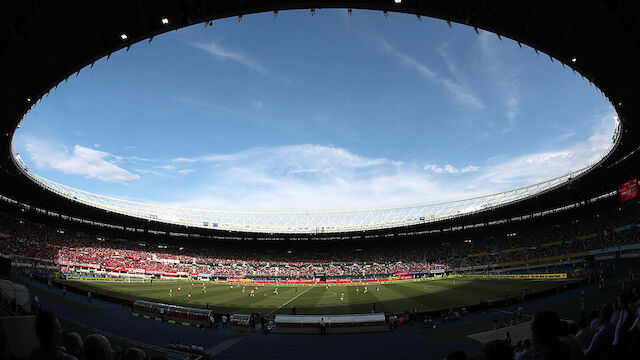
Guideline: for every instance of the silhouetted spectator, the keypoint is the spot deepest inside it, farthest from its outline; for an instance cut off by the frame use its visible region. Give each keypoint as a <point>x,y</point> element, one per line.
<point>615,305</point>
<point>585,334</point>
<point>625,319</point>
<point>97,347</point>
<point>595,320</point>
<point>73,345</point>
<point>574,346</point>
<point>497,350</point>
<point>134,354</point>
<point>573,329</point>
<point>546,342</point>
<point>603,338</point>
<point>456,355</point>
<point>525,351</point>
<point>49,333</point>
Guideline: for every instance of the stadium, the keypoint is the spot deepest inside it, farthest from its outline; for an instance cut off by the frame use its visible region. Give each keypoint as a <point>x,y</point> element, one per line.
<point>137,280</point>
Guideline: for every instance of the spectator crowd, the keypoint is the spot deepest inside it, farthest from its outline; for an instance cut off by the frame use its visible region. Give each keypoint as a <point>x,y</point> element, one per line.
<point>540,239</point>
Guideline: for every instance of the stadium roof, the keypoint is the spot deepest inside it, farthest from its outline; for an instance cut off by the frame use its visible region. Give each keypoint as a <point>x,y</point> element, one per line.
<point>43,42</point>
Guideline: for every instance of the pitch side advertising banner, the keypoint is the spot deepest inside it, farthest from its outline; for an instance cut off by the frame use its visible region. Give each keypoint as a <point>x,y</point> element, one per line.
<point>88,278</point>
<point>628,190</point>
<point>518,276</point>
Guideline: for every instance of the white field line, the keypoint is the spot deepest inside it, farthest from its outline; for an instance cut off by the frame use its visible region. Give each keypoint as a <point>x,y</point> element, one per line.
<point>503,311</point>
<point>293,298</point>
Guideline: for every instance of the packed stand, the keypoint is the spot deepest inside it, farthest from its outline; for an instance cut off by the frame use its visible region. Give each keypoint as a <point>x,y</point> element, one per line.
<point>542,238</point>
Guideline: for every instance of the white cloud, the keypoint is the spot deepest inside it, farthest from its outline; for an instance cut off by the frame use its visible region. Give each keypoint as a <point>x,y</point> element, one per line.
<point>312,177</point>
<point>456,89</point>
<point>539,166</point>
<point>184,160</point>
<point>140,159</point>
<point>151,172</point>
<point>79,160</point>
<point>170,169</point>
<point>185,171</point>
<point>304,177</point>
<point>285,159</point>
<point>223,53</point>
<point>450,169</point>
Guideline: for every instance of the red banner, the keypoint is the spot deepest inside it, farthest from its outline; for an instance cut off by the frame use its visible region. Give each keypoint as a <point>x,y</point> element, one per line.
<point>628,190</point>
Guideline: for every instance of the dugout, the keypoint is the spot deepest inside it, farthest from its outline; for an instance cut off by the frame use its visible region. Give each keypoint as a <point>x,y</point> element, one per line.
<point>240,322</point>
<point>334,324</point>
<point>172,312</point>
<point>15,296</point>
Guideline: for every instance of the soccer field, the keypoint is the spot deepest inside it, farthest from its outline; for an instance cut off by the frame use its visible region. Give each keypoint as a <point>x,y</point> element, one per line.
<point>392,298</point>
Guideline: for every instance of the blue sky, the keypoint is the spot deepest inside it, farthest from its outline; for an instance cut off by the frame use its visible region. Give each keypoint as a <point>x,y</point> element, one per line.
<point>329,112</point>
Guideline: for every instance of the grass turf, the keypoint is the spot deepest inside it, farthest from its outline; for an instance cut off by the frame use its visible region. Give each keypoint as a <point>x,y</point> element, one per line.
<point>392,298</point>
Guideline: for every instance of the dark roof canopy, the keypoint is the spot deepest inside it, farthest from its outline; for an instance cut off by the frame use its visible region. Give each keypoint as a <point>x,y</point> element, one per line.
<point>44,42</point>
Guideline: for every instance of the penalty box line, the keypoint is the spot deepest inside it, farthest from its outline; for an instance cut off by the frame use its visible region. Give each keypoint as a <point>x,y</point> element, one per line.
<point>293,298</point>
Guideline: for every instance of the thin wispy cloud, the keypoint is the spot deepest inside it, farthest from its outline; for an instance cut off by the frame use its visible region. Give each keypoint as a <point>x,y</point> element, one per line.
<point>505,77</point>
<point>458,75</point>
<point>78,160</point>
<point>450,169</point>
<point>134,158</point>
<point>172,169</point>
<point>183,160</point>
<point>223,53</point>
<point>185,171</point>
<point>459,92</point>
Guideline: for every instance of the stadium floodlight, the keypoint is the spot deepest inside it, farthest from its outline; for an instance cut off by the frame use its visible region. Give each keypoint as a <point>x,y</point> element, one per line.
<point>165,21</point>
<point>124,36</point>
<point>573,59</point>
<point>28,99</point>
<point>397,1</point>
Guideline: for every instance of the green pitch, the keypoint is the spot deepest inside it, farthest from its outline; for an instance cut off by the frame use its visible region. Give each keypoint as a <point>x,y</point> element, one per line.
<point>392,298</point>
